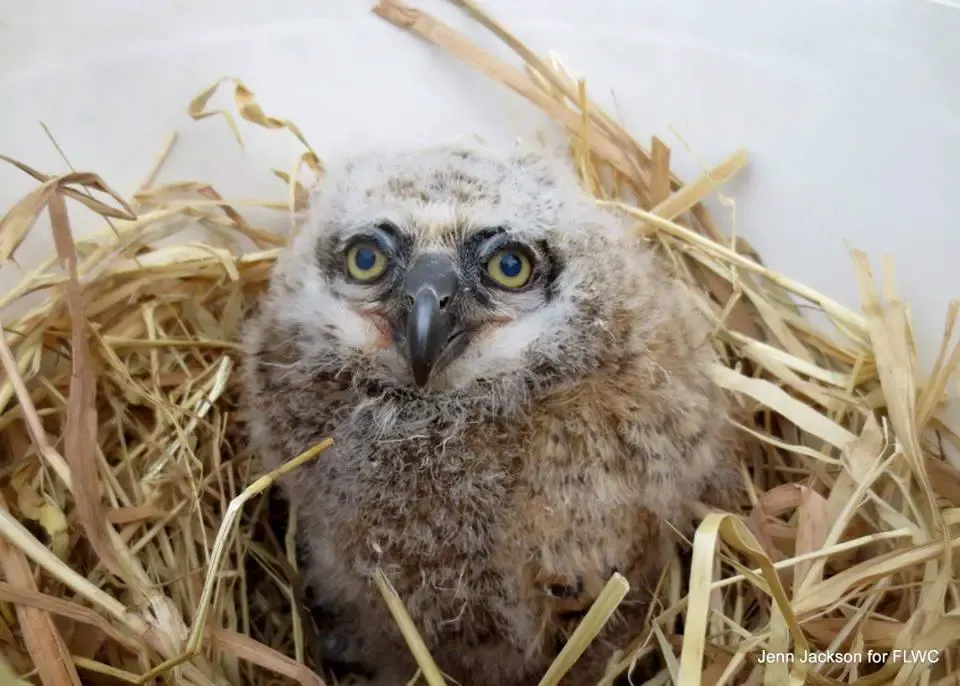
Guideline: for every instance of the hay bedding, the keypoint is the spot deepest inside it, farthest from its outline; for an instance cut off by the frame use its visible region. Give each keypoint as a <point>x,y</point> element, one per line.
<point>137,546</point>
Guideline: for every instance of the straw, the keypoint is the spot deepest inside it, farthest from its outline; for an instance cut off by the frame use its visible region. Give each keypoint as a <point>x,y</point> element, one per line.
<point>137,538</point>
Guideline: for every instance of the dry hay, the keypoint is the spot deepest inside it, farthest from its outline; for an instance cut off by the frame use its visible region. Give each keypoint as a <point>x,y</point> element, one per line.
<point>131,552</point>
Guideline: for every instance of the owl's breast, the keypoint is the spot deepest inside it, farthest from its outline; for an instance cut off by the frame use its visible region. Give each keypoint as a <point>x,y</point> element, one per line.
<point>428,508</point>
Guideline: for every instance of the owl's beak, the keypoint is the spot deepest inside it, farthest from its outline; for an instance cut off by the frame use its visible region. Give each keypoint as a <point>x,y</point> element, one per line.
<point>431,284</point>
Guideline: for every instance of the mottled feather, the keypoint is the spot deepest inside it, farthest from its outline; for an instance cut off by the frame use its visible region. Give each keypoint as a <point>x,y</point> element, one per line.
<point>560,445</point>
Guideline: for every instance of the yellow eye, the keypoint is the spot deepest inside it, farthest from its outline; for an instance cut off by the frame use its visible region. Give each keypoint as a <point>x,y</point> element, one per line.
<point>366,262</point>
<point>510,268</point>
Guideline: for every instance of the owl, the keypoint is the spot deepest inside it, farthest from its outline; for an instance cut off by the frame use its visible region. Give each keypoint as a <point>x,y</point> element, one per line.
<point>520,401</point>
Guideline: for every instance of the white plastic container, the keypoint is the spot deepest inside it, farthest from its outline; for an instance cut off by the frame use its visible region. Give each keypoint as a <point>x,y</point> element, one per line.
<point>850,110</point>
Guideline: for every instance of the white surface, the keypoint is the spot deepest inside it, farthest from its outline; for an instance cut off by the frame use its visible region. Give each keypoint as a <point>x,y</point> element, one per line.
<point>851,110</point>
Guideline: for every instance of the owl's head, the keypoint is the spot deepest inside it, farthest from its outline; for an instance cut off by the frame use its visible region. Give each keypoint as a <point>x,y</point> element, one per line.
<point>452,268</point>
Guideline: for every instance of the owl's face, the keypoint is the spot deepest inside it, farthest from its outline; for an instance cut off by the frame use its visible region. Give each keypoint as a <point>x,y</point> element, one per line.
<point>441,269</point>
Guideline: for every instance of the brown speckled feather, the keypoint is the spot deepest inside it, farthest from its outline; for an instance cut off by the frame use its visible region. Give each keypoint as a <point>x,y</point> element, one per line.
<point>499,499</point>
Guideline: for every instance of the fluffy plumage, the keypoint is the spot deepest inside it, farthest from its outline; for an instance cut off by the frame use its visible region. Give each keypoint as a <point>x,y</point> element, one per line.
<point>551,431</point>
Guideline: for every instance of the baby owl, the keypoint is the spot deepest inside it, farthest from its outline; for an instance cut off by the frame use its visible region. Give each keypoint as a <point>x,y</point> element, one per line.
<point>520,400</point>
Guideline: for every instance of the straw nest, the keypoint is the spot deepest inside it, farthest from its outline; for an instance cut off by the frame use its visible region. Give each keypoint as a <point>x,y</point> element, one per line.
<point>137,546</point>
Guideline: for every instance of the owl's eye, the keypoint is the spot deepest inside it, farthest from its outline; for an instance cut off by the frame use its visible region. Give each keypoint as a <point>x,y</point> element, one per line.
<point>510,268</point>
<point>366,262</point>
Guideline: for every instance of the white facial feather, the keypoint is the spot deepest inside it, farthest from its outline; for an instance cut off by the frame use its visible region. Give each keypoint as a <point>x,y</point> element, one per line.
<point>313,303</point>
<point>439,194</point>
<point>503,350</point>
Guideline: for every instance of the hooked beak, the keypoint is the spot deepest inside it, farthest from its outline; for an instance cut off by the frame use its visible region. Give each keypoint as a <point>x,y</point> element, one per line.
<point>430,328</point>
